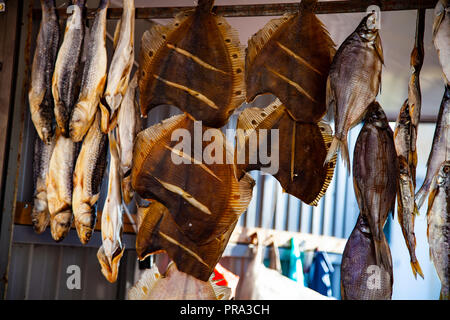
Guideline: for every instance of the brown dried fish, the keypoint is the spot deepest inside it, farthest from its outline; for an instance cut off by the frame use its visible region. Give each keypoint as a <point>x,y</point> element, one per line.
<point>302,148</point>
<point>87,179</point>
<point>362,278</point>
<point>291,57</point>
<point>196,43</point>
<point>354,81</point>
<point>407,209</point>
<point>438,217</point>
<point>40,93</point>
<point>40,216</point>
<point>175,285</point>
<point>375,172</point>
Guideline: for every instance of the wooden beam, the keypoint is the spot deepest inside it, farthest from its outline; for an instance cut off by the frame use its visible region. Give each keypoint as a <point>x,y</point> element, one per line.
<point>273,9</point>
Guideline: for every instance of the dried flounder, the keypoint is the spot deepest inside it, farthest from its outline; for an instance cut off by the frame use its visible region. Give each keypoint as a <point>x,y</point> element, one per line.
<point>175,285</point>
<point>111,251</point>
<point>167,171</point>
<point>158,232</point>
<point>40,93</point>
<point>196,43</point>
<point>87,179</point>
<point>291,57</point>
<point>302,148</point>
<point>359,266</point>
<point>40,216</point>
<point>94,76</point>
<point>60,185</point>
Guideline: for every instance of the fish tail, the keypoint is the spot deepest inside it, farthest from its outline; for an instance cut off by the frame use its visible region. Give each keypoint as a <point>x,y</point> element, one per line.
<point>422,193</point>
<point>383,254</point>
<point>336,145</point>
<point>416,269</point>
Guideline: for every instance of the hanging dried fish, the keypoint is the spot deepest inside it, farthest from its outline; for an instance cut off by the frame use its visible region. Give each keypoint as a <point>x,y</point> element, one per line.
<point>121,63</point>
<point>158,232</point>
<point>167,171</point>
<point>407,209</point>
<point>60,185</point>
<point>67,67</point>
<point>441,36</point>
<point>111,251</point>
<point>359,266</point>
<point>87,179</point>
<point>291,57</point>
<point>128,126</point>
<point>40,93</point>
<point>94,76</point>
<point>354,81</point>
<point>302,149</point>
<point>175,285</point>
<point>375,172</point>
<point>440,150</point>
<point>40,216</point>
<point>439,227</point>
<point>196,43</point>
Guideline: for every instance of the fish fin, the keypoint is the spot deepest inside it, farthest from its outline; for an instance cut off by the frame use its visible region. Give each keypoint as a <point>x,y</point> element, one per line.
<point>221,292</point>
<point>337,145</point>
<point>113,120</point>
<point>416,269</point>
<point>110,271</point>
<point>422,194</point>
<point>104,123</point>
<point>327,136</point>
<point>143,287</point>
<point>117,33</point>
<point>379,49</point>
<point>330,99</point>
<point>236,54</point>
<point>257,42</point>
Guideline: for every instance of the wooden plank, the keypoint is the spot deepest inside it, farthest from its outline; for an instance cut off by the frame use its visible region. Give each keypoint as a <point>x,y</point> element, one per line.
<point>23,217</point>
<point>273,9</point>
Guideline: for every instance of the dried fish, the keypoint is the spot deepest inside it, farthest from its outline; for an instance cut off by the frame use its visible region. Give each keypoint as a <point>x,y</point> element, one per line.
<point>302,149</point>
<point>375,172</point>
<point>40,93</point>
<point>94,76</point>
<point>87,180</point>
<point>175,285</point>
<point>196,43</point>
<point>111,251</point>
<point>439,226</point>
<point>440,150</point>
<point>407,209</point>
<point>40,216</point>
<point>121,64</point>
<point>362,278</point>
<point>67,67</point>
<point>128,126</point>
<point>354,81</point>
<point>60,185</point>
<point>441,36</point>
<point>291,57</point>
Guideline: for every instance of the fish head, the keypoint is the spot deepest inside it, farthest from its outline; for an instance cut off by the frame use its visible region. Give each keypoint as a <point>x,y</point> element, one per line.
<point>376,116</point>
<point>60,225</point>
<point>85,223</point>
<point>368,28</point>
<point>78,125</point>
<point>40,219</point>
<point>444,174</point>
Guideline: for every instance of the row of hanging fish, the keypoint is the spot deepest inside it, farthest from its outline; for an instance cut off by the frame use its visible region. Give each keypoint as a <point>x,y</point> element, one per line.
<point>74,126</point>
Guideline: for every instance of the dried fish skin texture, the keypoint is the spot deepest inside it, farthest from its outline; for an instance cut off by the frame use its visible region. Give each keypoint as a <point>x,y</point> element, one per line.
<point>291,57</point>
<point>159,232</point>
<point>196,43</point>
<point>302,148</point>
<point>200,214</point>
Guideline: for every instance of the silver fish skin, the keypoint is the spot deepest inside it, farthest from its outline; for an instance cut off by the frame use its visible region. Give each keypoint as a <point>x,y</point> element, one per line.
<point>111,251</point>
<point>60,186</point>
<point>122,62</point>
<point>40,93</point>
<point>359,265</point>
<point>87,180</point>
<point>354,82</point>
<point>407,209</point>
<point>438,219</point>
<point>67,67</point>
<point>440,150</point>
<point>40,216</point>
<point>94,76</point>
<point>128,126</point>
<point>375,171</point>
<point>441,36</point>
